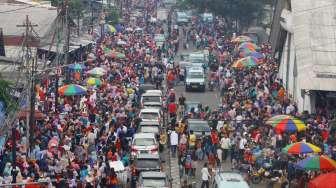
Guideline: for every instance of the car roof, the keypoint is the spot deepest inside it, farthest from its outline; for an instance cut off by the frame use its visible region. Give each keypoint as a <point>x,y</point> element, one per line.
<point>154,174</point>
<point>150,110</point>
<point>144,135</point>
<point>230,179</point>
<point>144,122</point>
<point>147,156</point>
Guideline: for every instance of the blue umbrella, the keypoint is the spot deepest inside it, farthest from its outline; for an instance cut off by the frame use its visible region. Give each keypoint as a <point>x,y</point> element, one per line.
<point>119,28</point>
<point>257,55</point>
<point>76,67</point>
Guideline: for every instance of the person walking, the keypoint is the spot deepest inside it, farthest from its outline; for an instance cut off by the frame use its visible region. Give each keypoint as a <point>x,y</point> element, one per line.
<point>173,142</point>
<point>205,176</point>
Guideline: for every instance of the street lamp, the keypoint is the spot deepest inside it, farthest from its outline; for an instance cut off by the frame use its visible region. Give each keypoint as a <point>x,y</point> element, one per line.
<point>102,23</point>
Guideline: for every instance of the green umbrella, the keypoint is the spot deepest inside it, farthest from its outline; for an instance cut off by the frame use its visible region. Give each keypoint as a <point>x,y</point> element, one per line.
<point>121,56</point>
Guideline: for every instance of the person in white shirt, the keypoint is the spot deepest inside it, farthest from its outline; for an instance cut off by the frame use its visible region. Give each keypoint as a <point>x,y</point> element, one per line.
<point>205,176</point>
<point>173,142</point>
<point>225,145</point>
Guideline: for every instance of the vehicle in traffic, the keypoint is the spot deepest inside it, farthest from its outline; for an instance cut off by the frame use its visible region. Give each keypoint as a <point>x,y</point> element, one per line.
<point>150,114</point>
<point>154,179</point>
<point>144,143</point>
<point>229,179</point>
<point>199,127</point>
<point>159,39</point>
<point>147,162</point>
<point>152,99</point>
<point>195,79</point>
<point>207,17</point>
<point>182,18</point>
<point>149,127</point>
<point>189,105</point>
<point>198,58</point>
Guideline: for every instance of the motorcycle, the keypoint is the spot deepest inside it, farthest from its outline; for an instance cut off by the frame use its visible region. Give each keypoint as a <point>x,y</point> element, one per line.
<point>257,176</point>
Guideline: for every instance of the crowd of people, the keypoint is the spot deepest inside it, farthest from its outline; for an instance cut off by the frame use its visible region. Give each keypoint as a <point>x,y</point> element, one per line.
<point>77,137</point>
<point>239,134</point>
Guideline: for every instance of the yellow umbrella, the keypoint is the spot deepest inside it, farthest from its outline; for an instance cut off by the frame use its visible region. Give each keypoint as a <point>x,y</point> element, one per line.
<point>93,81</point>
<point>111,28</point>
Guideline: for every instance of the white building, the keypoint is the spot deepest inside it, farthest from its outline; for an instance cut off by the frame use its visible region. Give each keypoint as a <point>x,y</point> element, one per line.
<point>307,52</point>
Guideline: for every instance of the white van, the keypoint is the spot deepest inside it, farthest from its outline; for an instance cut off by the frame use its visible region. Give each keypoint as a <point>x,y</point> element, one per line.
<point>152,99</point>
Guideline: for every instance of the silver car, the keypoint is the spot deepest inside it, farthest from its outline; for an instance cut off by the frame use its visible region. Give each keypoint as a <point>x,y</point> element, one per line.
<point>229,179</point>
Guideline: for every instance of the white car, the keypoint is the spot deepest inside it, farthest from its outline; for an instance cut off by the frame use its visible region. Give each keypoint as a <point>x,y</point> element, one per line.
<point>150,114</point>
<point>152,99</point>
<point>229,179</point>
<point>144,143</point>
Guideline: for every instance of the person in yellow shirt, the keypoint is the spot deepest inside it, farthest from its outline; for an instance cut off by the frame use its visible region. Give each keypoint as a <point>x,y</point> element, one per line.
<point>192,140</point>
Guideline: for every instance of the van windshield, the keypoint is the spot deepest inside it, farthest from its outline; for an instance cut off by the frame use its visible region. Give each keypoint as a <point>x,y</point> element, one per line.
<point>151,99</point>
<point>195,75</point>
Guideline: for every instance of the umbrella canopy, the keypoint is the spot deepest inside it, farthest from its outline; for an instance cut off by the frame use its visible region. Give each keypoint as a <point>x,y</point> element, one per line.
<point>248,45</point>
<point>322,162</point>
<point>257,55</point>
<point>301,148</point>
<point>76,67</point>
<point>244,52</point>
<point>246,62</point>
<point>93,81</point>
<point>98,71</point>
<point>109,28</point>
<point>121,42</point>
<point>324,181</point>
<point>119,28</point>
<point>72,90</point>
<point>120,56</point>
<point>241,39</point>
<point>287,124</point>
<point>276,118</point>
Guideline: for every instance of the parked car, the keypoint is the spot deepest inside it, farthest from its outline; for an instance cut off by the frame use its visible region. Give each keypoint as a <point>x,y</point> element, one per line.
<point>154,179</point>
<point>152,99</point>
<point>147,162</point>
<point>199,127</point>
<point>229,179</point>
<point>191,104</point>
<point>149,127</point>
<point>144,143</point>
<point>182,18</point>
<point>195,79</point>
<point>150,114</point>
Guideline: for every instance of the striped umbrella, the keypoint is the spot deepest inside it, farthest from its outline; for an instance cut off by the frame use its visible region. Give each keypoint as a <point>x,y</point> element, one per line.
<point>93,81</point>
<point>322,162</point>
<point>301,148</point>
<point>285,123</point>
<point>248,45</point>
<point>72,90</point>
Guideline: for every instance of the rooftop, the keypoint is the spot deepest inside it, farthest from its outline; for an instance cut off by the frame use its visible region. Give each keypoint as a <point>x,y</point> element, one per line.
<point>12,15</point>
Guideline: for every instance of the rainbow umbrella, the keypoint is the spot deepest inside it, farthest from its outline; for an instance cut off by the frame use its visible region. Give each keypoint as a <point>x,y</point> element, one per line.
<point>301,148</point>
<point>257,55</point>
<point>76,67</point>
<point>110,29</point>
<point>248,45</point>
<point>287,124</point>
<point>246,62</point>
<point>98,71</point>
<point>244,52</point>
<point>93,82</point>
<point>241,39</point>
<point>71,90</point>
<point>276,118</point>
<point>322,162</point>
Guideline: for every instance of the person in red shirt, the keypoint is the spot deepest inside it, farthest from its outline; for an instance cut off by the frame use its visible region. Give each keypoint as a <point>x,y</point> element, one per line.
<point>214,137</point>
<point>172,109</point>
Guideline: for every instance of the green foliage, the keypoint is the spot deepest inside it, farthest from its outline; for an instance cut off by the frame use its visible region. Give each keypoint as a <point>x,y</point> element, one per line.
<point>242,11</point>
<point>112,15</point>
<point>5,96</point>
<point>76,7</point>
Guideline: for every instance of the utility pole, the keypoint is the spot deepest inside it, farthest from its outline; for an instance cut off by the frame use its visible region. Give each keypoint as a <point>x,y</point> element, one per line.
<point>2,44</point>
<point>31,68</point>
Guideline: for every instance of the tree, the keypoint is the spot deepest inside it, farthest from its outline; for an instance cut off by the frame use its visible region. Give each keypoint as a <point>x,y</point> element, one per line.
<point>244,12</point>
<point>5,96</point>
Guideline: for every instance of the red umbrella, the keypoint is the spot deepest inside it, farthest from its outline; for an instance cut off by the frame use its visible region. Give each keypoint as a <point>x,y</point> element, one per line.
<point>324,181</point>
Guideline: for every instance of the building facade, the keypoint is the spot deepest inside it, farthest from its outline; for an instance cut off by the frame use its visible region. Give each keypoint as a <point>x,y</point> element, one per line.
<point>304,39</point>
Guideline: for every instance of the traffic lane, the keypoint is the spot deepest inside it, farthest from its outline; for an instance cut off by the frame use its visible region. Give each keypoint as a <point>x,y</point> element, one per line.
<point>207,98</point>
